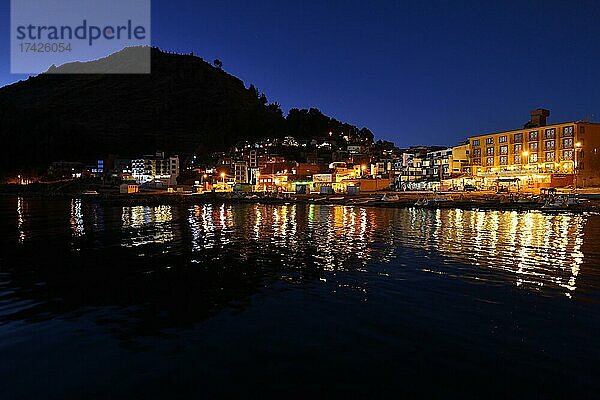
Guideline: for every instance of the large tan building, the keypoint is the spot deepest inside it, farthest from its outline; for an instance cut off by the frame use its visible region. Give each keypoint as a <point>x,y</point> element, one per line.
<point>539,155</point>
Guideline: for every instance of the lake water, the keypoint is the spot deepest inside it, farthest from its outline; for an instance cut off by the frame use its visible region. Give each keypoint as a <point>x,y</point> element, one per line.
<point>238,301</point>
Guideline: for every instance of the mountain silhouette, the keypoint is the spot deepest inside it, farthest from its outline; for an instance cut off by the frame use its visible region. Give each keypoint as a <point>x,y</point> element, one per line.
<point>184,105</point>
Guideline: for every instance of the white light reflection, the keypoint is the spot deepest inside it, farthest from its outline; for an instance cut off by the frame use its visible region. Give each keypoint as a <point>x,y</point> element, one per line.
<point>147,225</point>
<point>538,250</point>
<point>21,212</point>
<point>533,251</point>
<point>77,228</point>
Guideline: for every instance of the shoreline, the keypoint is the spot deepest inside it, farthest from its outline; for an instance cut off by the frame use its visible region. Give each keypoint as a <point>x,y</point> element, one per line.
<point>456,200</point>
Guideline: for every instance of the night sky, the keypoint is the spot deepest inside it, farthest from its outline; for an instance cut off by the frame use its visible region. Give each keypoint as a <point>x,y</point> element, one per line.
<point>431,73</point>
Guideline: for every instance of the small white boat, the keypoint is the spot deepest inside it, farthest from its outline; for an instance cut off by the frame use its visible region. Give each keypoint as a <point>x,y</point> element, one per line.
<point>559,203</point>
<point>390,197</point>
<point>337,198</point>
<point>434,202</point>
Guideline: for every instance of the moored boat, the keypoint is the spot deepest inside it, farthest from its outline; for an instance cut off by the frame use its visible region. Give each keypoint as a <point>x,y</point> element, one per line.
<point>390,197</point>
<point>562,203</point>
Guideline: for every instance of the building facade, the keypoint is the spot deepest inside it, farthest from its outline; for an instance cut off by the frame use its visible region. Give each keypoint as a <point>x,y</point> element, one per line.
<point>156,168</point>
<point>539,155</point>
<point>241,172</point>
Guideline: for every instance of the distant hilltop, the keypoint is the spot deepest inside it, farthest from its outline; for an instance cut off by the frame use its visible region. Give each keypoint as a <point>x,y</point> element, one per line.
<point>185,105</point>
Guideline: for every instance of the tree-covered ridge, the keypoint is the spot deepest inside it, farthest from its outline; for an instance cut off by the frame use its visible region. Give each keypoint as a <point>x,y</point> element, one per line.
<point>186,105</point>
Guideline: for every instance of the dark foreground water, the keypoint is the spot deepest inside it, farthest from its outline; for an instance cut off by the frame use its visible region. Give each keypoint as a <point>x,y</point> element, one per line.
<point>238,301</point>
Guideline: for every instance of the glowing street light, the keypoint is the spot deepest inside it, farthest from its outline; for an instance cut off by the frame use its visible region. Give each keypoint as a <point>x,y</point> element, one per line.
<point>223,177</point>
<point>578,146</point>
<point>526,157</point>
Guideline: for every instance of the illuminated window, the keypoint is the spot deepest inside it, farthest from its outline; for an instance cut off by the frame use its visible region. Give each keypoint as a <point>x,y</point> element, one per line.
<point>503,160</point>
<point>518,148</point>
<point>550,145</point>
<point>476,142</point>
<point>476,152</point>
<point>518,159</point>
<point>568,155</point>
<point>490,161</point>
<point>533,158</point>
<point>503,139</point>
<point>533,136</point>
<point>568,143</point>
<point>503,149</point>
<point>568,131</point>
<point>489,140</point>
<point>533,146</point>
<point>518,138</point>
<point>549,157</point>
<point>550,133</point>
<point>490,151</point>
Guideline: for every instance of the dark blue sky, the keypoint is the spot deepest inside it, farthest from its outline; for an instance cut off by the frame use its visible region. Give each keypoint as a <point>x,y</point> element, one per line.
<point>430,73</point>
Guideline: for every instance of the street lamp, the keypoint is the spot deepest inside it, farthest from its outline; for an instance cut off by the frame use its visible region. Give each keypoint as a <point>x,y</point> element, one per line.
<point>576,165</point>
<point>526,156</point>
<point>363,168</point>
<point>276,181</point>
<point>223,177</point>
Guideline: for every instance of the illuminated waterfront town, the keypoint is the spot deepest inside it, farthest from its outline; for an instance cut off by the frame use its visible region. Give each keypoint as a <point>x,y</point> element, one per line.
<point>299,200</point>
<point>539,155</point>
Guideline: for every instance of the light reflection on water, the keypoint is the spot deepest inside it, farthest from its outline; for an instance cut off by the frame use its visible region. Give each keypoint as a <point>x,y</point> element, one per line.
<point>492,300</point>
<point>534,251</point>
<point>21,212</point>
<point>77,218</point>
<point>144,225</point>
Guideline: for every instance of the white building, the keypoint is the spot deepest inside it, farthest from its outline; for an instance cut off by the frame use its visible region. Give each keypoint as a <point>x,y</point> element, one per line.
<point>158,168</point>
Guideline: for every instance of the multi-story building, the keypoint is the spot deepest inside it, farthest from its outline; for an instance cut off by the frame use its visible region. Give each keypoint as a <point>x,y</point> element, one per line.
<point>241,172</point>
<point>157,168</point>
<point>539,155</point>
<point>378,168</point>
<point>417,165</point>
<point>436,165</point>
<point>411,170</point>
<point>461,159</point>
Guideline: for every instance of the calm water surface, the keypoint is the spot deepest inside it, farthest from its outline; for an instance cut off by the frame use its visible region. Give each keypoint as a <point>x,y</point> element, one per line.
<point>237,301</point>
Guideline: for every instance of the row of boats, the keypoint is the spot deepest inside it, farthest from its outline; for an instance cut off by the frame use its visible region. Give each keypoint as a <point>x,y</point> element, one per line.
<point>554,202</point>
